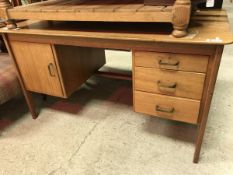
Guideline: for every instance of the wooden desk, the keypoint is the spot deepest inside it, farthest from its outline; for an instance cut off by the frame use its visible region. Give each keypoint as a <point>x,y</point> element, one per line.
<point>172,78</point>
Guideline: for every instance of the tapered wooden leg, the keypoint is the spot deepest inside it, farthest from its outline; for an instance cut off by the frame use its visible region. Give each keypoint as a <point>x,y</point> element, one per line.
<point>181,16</point>
<point>30,103</point>
<point>211,78</point>
<point>27,94</point>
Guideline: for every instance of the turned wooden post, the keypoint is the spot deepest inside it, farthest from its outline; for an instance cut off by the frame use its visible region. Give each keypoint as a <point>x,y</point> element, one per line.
<point>181,17</point>
<point>4,5</point>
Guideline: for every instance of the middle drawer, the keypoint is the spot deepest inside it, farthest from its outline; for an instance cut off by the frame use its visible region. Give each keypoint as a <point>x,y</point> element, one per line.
<point>175,83</point>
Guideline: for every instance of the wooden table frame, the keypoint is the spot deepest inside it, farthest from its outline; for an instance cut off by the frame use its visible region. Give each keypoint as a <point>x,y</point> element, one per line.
<point>178,14</point>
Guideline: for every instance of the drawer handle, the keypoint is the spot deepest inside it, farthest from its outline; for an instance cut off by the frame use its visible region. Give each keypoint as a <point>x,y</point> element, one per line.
<point>169,65</point>
<point>165,110</point>
<point>51,70</point>
<point>167,85</point>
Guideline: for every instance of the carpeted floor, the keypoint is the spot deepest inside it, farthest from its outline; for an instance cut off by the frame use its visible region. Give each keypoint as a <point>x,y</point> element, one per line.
<point>96,132</point>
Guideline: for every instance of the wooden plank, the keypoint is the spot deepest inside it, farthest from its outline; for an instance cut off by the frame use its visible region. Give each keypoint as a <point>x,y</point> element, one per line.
<point>90,6</point>
<point>129,8</point>
<point>36,5</point>
<point>97,16</point>
<point>111,6</point>
<point>116,43</point>
<point>148,8</point>
<point>41,7</point>
<point>66,6</point>
<point>78,6</point>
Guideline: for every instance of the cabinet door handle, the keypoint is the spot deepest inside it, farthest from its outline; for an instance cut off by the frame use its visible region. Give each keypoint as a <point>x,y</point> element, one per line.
<point>51,70</point>
<point>165,110</point>
<point>167,85</point>
<point>173,65</point>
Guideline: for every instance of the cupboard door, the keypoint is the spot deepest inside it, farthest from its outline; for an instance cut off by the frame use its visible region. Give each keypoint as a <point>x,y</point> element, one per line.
<point>37,67</point>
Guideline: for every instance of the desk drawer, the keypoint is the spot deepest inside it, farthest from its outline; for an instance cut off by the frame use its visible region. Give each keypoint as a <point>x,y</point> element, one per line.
<point>173,108</point>
<point>175,83</point>
<point>184,62</point>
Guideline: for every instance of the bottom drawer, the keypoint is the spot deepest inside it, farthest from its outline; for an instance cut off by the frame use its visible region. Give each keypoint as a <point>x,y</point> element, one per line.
<point>174,108</point>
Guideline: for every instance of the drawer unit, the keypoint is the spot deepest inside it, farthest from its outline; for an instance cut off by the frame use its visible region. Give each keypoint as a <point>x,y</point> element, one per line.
<point>171,61</point>
<point>174,108</point>
<point>169,85</point>
<point>176,83</point>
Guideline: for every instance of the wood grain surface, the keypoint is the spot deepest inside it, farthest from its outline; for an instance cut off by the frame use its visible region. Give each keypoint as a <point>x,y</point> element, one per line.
<point>174,83</point>
<point>185,110</point>
<point>171,61</point>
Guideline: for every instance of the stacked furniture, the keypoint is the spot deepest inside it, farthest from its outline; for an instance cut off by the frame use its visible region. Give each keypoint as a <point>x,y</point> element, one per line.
<point>176,12</point>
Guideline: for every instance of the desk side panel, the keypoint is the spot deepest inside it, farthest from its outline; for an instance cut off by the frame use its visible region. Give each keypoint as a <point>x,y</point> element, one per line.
<point>77,64</point>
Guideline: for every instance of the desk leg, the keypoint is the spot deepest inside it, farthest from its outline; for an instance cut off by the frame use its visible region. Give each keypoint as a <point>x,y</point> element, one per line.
<point>26,93</point>
<point>211,78</point>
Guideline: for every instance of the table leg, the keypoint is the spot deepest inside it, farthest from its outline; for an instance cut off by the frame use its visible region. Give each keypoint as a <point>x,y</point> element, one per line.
<point>27,94</point>
<point>211,78</point>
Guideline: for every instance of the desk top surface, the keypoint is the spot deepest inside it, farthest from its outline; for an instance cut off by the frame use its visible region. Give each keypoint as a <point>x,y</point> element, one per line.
<point>207,27</point>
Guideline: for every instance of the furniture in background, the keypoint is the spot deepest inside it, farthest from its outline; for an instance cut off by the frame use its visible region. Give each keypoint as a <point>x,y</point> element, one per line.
<point>217,5</point>
<point>199,3</point>
<point>101,10</point>
<point>23,2</point>
<point>172,78</point>
<point>9,85</point>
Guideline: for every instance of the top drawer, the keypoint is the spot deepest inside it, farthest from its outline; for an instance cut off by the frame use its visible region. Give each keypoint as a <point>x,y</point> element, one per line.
<point>184,62</point>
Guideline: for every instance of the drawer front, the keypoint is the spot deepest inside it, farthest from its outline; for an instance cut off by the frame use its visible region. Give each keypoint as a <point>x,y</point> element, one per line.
<point>174,108</point>
<point>184,62</point>
<point>175,83</point>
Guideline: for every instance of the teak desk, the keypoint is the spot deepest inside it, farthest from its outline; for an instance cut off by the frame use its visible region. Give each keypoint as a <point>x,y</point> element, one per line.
<point>172,78</point>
